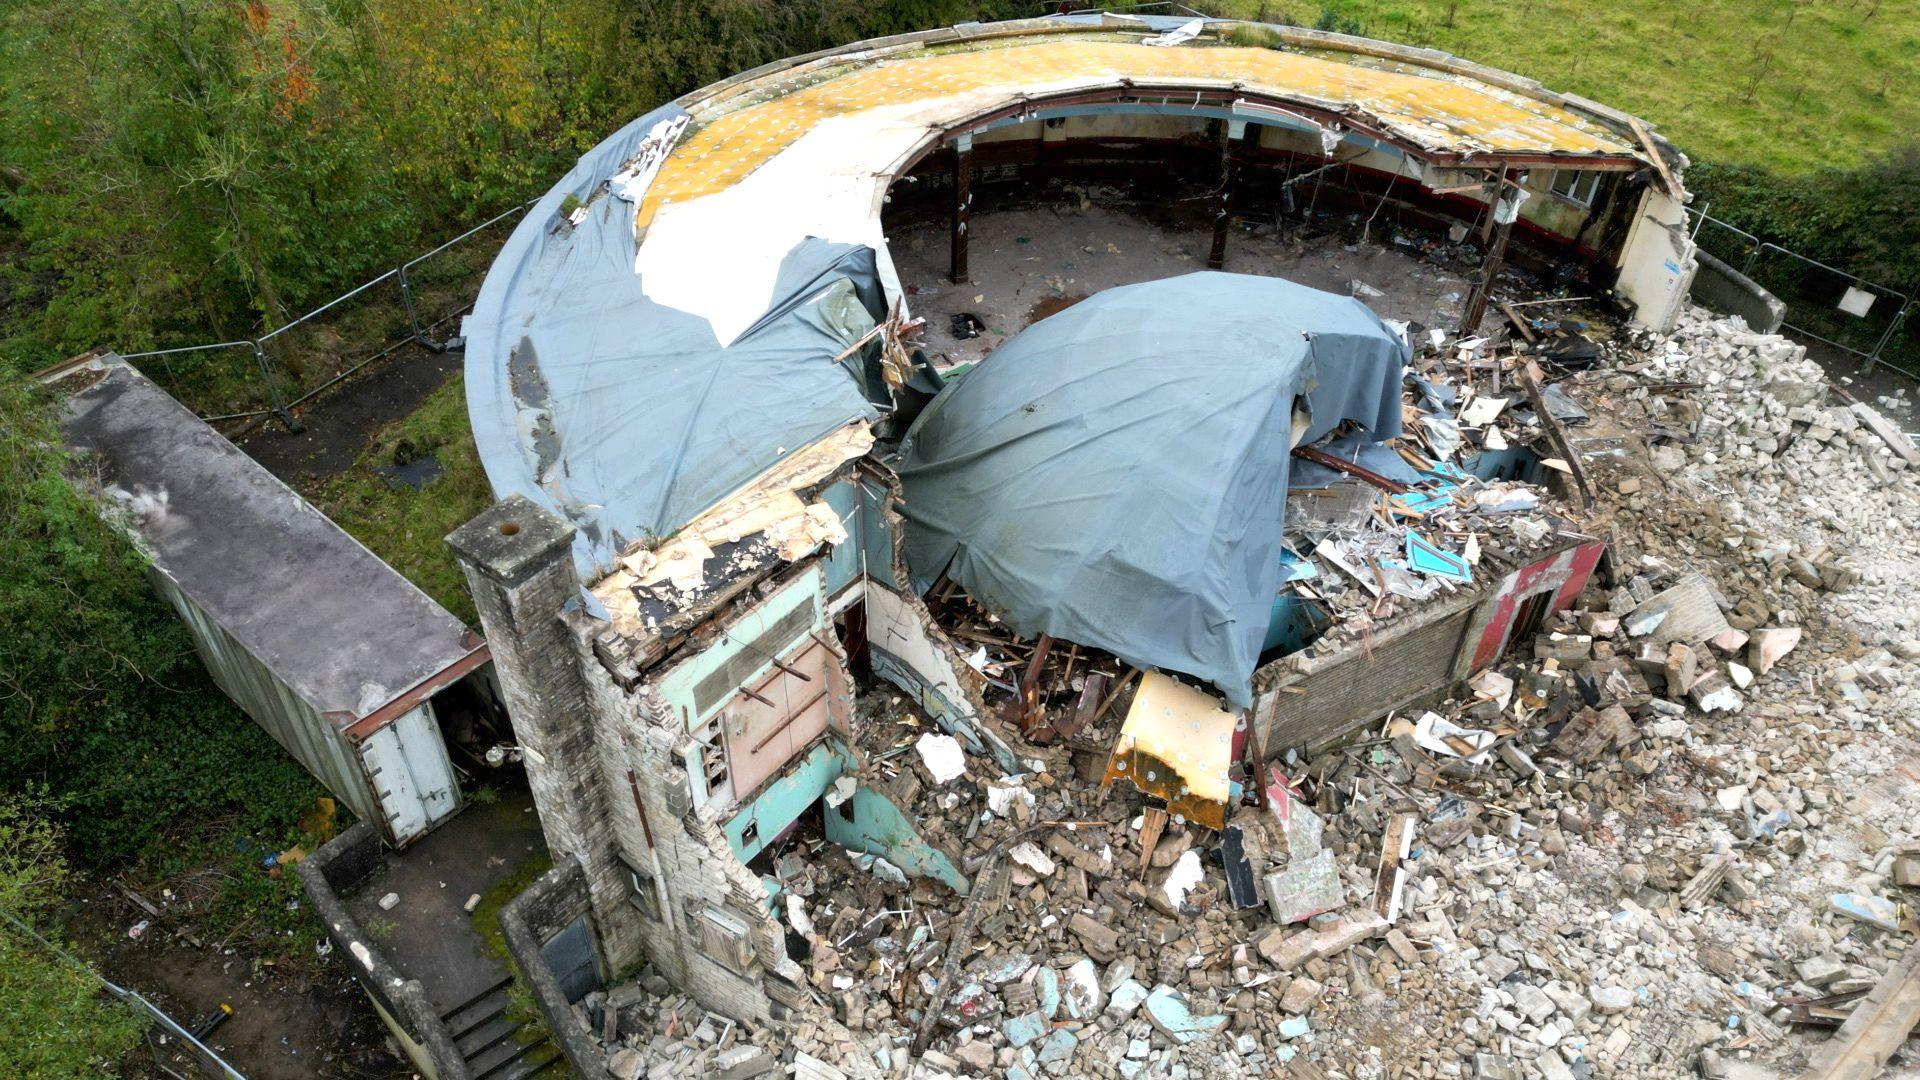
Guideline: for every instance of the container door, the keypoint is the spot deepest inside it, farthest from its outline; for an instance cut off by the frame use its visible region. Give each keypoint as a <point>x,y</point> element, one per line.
<point>406,765</point>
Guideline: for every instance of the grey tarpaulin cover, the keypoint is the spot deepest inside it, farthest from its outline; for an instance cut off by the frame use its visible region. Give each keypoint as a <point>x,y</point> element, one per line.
<point>628,417</point>
<point>1116,475</point>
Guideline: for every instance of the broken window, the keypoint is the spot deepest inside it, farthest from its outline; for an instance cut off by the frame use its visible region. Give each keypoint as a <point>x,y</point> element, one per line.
<point>726,938</point>
<point>713,760</point>
<point>646,892</point>
<point>1581,187</point>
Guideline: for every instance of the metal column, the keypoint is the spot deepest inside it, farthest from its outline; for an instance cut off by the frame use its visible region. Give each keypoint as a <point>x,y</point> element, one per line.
<point>962,205</point>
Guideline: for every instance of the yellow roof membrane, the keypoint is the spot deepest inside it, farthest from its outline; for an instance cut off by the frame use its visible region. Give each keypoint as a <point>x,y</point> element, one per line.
<point>1431,109</point>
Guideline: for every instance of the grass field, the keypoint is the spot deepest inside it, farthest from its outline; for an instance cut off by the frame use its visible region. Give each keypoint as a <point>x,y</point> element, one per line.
<point>1788,84</point>
<point>405,526</point>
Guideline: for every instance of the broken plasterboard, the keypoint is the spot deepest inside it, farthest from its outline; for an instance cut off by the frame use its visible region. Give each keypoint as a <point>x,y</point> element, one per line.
<point>1444,737</point>
<point>770,506</point>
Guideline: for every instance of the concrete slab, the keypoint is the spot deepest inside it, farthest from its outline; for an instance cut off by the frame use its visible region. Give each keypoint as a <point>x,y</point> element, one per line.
<point>428,935</point>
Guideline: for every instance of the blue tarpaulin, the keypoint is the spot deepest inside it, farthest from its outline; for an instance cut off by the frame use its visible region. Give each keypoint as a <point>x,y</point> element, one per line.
<point>1116,474</point>
<point>626,416</point>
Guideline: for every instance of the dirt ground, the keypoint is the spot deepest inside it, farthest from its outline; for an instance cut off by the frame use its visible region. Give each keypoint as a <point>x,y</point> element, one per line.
<point>1025,264</point>
<point>290,1022</point>
<point>338,423</point>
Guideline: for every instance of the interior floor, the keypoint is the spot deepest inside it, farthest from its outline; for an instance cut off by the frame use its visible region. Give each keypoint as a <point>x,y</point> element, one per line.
<point>1027,263</point>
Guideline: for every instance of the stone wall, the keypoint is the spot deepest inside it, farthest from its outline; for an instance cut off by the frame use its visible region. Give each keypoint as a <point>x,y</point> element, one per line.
<point>528,922</point>
<point>338,867</point>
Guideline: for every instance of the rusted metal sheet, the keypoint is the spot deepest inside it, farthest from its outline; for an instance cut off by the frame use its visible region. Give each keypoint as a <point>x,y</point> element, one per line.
<point>1176,744</point>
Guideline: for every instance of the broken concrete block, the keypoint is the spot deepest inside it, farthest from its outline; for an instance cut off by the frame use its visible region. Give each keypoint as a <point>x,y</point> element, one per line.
<point>1305,888</point>
<point>1046,989</point>
<point>1533,1003</point>
<point>627,1064</point>
<point>744,1062</point>
<point>1819,970</point>
<point>1498,1066</point>
<point>1058,1047</point>
<point>808,1067</point>
<point>1906,871</point>
<point>1610,1000</point>
<point>1169,894</point>
<point>1768,644</point>
<point>1731,640</point>
<point>1682,668</point>
<point>1571,1003</point>
<point>1286,951</point>
<point>1023,1029</point>
<point>1008,799</point>
<point>1866,908</point>
<point>1713,692</point>
<point>1688,613</point>
<point>1102,944</point>
<point>1346,933</point>
<point>1029,855</point>
<point>1081,993</point>
<point>1125,1000</point>
<point>1302,993</point>
<point>943,756</point>
<point>976,1055</point>
<point>1170,1015</point>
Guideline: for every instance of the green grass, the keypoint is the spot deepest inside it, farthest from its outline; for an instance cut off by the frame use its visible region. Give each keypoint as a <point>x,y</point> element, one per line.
<point>485,921</point>
<point>1790,86</point>
<point>407,527</point>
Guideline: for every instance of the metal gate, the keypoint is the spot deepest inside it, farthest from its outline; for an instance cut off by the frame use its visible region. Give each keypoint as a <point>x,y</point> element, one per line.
<point>1845,311</point>
<point>569,955</point>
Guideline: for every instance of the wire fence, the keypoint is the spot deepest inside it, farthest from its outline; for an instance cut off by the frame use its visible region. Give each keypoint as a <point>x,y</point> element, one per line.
<point>209,1062</point>
<point>1875,322</point>
<point>287,366</point>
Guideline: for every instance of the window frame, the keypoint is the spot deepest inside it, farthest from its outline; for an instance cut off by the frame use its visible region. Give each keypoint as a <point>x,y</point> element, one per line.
<point>1578,178</point>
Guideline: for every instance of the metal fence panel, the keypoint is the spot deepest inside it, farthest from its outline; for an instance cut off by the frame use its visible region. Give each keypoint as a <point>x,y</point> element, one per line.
<point>411,304</point>
<point>1824,303</point>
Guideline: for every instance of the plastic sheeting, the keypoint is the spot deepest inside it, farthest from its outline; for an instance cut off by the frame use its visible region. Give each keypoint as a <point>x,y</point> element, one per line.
<point>1117,474</point>
<point>626,416</point>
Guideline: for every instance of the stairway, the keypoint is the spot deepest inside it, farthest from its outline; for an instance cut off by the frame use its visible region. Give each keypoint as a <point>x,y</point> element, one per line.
<point>489,1039</point>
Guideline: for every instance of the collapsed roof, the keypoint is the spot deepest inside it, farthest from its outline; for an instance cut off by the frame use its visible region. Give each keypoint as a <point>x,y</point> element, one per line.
<point>663,326</point>
<point>1116,474</point>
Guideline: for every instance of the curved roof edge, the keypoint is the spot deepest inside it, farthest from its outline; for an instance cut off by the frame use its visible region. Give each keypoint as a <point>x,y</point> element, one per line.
<point>567,285</point>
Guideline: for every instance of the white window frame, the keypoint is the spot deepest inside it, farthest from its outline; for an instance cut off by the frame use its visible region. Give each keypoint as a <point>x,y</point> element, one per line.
<point>1567,184</point>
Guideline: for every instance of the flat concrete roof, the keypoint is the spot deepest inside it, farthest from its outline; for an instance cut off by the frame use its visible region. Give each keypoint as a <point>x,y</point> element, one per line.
<point>342,629</point>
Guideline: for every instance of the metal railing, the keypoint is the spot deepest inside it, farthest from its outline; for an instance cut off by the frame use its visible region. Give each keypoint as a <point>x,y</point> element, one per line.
<point>291,364</point>
<point>1833,306</point>
<point>210,1063</point>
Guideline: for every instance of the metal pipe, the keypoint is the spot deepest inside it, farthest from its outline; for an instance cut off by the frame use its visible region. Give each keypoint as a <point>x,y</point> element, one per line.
<point>335,302</point>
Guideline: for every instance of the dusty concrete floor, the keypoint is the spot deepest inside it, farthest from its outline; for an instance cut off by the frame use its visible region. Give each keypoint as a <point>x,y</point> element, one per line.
<point>1027,263</point>
<point>427,935</point>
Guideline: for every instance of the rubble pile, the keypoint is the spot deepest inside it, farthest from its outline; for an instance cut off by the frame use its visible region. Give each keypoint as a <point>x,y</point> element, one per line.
<point>650,1031</point>
<point>1675,833</point>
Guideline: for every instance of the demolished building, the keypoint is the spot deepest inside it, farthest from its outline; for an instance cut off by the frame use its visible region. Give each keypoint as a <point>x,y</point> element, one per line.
<point>731,485</point>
